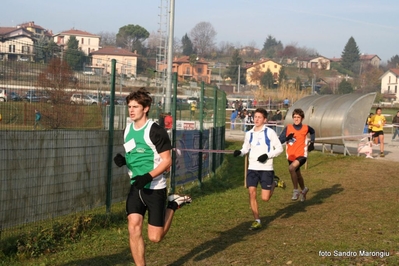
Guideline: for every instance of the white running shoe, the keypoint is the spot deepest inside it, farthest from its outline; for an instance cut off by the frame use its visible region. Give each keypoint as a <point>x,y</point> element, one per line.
<point>303,194</point>
<point>180,199</point>
<point>295,194</point>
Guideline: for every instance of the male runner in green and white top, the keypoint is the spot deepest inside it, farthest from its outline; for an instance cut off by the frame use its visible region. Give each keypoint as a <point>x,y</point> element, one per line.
<point>147,147</point>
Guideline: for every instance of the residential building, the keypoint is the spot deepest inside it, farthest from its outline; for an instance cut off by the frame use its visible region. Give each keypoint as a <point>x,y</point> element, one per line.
<point>249,50</point>
<point>255,71</point>
<point>189,71</point>
<point>320,62</point>
<point>390,84</point>
<point>16,44</point>
<point>37,31</point>
<point>370,59</point>
<point>365,59</point>
<point>126,61</point>
<point>88,42</point>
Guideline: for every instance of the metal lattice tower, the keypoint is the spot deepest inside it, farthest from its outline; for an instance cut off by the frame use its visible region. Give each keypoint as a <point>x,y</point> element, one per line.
<point>162,46</point>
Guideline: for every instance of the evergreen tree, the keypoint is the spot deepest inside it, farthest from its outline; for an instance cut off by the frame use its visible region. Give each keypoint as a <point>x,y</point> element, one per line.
<point>271,47</point>
<point>350,55</point>
<point>232,71</point>
<point>282,76</point>
<point>132,37</point>
<point>73,56</point>
<point>187,45</point>
<point>45,49</point>
<point>393,62</point>
<point>298,83</point>
<point>345,87</point>
<point>267,80</point>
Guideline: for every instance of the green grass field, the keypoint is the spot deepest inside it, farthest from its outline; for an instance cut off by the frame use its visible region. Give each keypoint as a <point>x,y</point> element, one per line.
<point>351,211</point>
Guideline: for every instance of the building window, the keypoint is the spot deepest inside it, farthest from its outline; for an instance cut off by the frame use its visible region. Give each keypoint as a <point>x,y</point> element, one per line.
<point>83,41</point>
<point>25,49</point>
<point>11,48</point>
<point>396,89</point>
<point>129,63</point>
<point>88,41</point>
<point>389,89</point>
<point>99,61</point>
<point>187,71</point>
<point>199,70</point>
<point>389,81</point>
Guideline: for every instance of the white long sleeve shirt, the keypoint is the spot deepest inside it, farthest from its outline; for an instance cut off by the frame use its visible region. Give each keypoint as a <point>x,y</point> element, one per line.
<point>256,146</point>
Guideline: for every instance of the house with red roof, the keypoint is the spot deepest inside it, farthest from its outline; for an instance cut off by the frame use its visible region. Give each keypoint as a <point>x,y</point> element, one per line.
<point>88,42</point>
<point>255,71</point>
<point>16,44</point>
<point>365,59</point>
<point>37,30</point>
<point>126,61</point>
<point>319,62</point>
<point>187,70</point>
<point>370,59</point>
<point>390,84</point>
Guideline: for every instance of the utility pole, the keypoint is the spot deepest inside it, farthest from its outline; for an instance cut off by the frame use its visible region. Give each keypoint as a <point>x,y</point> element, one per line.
<point>238,79</point>
<point>170,57</point>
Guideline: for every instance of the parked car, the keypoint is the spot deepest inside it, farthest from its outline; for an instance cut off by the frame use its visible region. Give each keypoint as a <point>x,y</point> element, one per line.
<point>121,100</point>
<point>31,96</point>
<point>89,73</point>
<point>3,95</point>
<point>192,99</point>
<point>15,97</point>
<point>82,99</point>
<point>23,59</point>
<point>106,99</point>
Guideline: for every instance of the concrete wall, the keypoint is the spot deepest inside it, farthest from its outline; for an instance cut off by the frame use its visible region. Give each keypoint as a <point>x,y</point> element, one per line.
<point>45,174</point>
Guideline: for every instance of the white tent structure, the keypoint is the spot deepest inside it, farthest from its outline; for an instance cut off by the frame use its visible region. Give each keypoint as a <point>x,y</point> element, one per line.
<point>335,118</point>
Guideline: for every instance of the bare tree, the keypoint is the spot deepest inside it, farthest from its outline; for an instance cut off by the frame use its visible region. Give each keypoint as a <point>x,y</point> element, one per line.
<point>55,80</point>
<point>226,49</point>
<point>155,40</point>
<point>203,38</point>
<point>107,38</point>
<point>304,52</point>
<point>177,46</point>
<point>250,50</point>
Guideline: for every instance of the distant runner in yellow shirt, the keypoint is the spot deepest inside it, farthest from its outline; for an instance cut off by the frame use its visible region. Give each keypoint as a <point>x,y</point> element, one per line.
<point>377,122</point>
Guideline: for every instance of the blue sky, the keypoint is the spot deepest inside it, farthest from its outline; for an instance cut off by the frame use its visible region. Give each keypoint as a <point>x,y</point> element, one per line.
<point>324,26</point>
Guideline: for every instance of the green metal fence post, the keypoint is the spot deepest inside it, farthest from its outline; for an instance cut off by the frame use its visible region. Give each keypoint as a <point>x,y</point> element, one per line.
<point>222,125</point>
<point>215,117</point>
<point>110,137</point>
<point>174,104</point>
<point>201,120</point>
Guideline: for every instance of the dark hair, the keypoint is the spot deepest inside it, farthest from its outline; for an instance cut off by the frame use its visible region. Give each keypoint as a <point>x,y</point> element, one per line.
<point>262,111</point>
<point>142,97</point>
<point>378,108</point>
<point>299,112</point>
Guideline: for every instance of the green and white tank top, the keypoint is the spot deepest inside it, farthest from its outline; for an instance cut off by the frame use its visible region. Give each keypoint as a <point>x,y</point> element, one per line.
<point>143,147</point>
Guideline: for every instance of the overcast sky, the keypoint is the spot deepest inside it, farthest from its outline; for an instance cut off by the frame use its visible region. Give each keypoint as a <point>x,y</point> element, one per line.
<point>325,26</point>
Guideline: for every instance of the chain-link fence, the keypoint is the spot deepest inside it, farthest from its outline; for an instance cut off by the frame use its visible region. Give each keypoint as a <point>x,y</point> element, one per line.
<point>57,144</point>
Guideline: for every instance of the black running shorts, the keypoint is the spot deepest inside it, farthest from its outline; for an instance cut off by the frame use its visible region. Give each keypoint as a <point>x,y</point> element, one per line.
<point>265,178</point>
<point>301,160</point>
<point>139,201</point>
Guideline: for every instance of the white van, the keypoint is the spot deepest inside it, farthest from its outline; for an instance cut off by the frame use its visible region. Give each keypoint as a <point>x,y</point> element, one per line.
<point>3,95</point>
